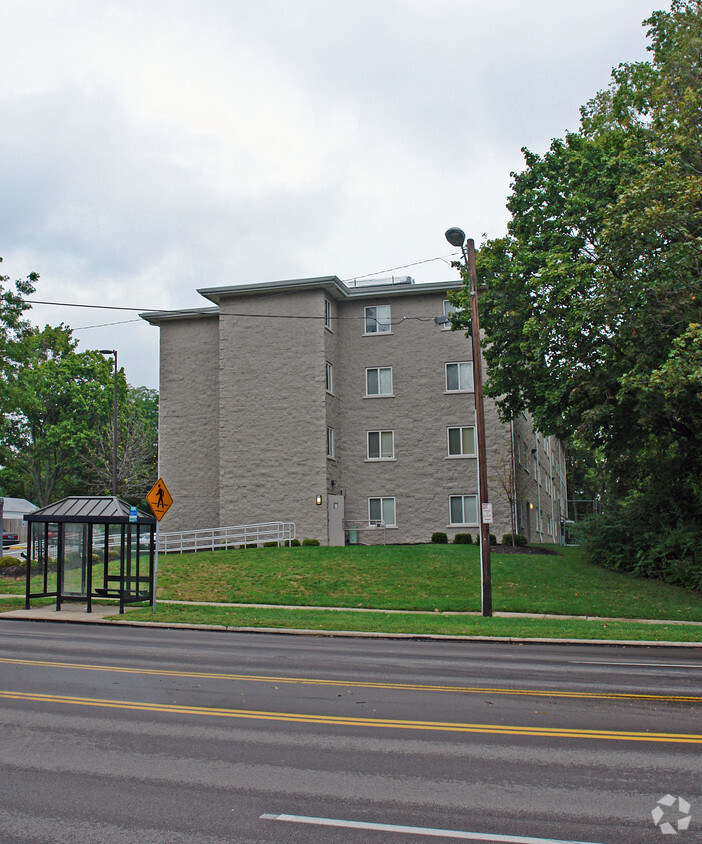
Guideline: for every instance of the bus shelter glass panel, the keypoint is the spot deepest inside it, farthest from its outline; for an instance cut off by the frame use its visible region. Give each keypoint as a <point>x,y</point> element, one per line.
<point>112,556</point>
<point>76,559</point>
<point>43,555</point>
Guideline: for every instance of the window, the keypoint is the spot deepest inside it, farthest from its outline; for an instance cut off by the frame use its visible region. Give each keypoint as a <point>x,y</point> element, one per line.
<point>379,381</point>
<point>330,378</point>
<point>461,442</point>
<point>377,319</point>
<point>448,310</point>
<point>463,509</point>
<point>328,314</point>
<point>459,377</point>
<point>330,442</point>
<point>382,510</point>
<point>381,445</point>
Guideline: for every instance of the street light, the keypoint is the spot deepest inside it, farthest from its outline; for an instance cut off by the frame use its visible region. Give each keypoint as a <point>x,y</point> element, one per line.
<point>457,237</point>
<point>114,421</point>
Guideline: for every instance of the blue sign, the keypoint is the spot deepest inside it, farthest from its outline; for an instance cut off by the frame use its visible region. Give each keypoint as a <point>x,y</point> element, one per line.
<point>133,514</point>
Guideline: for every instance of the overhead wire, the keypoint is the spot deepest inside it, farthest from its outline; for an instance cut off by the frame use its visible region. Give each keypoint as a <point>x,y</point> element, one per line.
<point>242,315</point>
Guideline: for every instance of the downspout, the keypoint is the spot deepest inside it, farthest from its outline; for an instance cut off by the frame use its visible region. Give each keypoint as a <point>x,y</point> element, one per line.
<point>551,486</point>
<point>515,525</point>
<point>539,520</point>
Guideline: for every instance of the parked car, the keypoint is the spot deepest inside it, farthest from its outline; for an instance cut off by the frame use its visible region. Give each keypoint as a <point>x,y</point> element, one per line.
<point>9,539</point>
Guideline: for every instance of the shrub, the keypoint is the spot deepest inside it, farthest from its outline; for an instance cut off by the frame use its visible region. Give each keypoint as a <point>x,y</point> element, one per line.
<point>294,543</point>
<point>493,539</point>
<point>439,538</point>
<point>6,562</point>
<point>310,542</point>
<point>519,539</point>
<point>463,539</point>
<point>270,544</point>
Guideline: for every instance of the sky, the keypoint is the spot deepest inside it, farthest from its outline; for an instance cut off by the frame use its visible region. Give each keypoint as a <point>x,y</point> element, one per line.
<point>149,148</point>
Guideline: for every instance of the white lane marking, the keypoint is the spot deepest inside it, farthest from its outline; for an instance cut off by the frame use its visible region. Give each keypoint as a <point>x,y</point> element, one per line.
<point>419,830</point>
<point>639,664</point>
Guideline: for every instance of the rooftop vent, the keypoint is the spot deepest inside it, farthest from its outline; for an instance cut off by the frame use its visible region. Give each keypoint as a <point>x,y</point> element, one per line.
<point>381,281</point>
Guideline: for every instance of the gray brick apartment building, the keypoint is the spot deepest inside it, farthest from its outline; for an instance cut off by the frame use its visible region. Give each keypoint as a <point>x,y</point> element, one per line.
<point>284,394</point>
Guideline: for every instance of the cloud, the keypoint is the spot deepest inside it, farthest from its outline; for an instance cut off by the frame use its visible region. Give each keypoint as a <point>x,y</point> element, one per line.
<point>148,149</point>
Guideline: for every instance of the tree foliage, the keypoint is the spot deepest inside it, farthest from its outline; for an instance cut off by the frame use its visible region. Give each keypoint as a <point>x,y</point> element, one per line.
<point>61,399</point>
<point>57,416</point>
<point>593,303</point>
<point>137,452</point>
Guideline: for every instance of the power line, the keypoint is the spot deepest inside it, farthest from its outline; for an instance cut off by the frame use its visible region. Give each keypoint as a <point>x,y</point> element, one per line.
<point>138,310</point>
<point>78,305</point>
<point>404,267</point>
<point>104,324</point>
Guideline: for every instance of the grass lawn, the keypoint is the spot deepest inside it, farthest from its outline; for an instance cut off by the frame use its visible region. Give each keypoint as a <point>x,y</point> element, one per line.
<point>435,623</point>
<point>420,577</point>
<point>433,578</point>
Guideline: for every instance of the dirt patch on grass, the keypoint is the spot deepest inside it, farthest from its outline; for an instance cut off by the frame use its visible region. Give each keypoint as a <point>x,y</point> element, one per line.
<point>522,549</point>
<point>13,571</point>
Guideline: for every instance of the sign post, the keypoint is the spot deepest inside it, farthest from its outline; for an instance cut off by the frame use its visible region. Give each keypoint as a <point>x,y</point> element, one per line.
<point>159,499</point>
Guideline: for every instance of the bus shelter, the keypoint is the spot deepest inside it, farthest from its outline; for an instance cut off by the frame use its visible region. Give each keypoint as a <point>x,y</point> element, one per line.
<point>90,547</point>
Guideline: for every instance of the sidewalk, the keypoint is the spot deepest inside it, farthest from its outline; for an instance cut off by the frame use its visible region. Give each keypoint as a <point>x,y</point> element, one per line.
<point>101,614</point>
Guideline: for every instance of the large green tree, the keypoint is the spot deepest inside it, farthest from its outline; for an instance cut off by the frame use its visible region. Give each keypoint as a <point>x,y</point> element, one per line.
<point>14,328</point>
<point>137,448</point>
<point>61,399</point>
<point>593,301</point>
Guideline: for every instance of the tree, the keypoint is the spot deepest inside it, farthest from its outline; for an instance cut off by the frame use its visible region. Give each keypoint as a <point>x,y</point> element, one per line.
<point>14,328</point>
<point>60,400</point>
<point>137,448</point>
<point>592,301</point>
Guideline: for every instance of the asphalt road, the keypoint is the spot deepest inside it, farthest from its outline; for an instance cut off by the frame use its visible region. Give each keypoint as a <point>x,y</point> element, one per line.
<point>160,736</point>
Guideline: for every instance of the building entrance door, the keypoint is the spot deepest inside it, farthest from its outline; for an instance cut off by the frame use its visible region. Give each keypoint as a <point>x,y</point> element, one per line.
<point>336,520</point>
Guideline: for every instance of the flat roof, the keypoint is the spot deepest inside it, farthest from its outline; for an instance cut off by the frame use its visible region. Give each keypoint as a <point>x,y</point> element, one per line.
<point>331,284</point>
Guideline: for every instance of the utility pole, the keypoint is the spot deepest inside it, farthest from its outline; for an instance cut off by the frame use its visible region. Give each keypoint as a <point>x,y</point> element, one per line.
<point>456,237</point>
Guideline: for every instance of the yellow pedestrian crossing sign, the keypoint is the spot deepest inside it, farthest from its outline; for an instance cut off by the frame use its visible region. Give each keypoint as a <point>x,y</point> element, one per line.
<point>159,499</point>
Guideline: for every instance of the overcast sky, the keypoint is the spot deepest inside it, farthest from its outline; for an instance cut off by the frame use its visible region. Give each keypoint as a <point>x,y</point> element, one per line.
<point>152,147</point>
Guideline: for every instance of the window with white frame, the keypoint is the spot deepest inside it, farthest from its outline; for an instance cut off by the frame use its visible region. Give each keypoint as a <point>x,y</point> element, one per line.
<point>330,378</point>
<point>328,314</point>
<point>448,310</point>
<point>459,377</point>
<point>381,445</point>
<point>381,510</point>
<point>330,442</point>
<point>461,441</point>
<point>463,509</point>
<point>379,381</point>
<point>377,319</point>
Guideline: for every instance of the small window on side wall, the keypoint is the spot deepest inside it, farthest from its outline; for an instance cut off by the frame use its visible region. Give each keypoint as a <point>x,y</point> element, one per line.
<point>381,445</point>
<point>459,377</point>
<point>377,319</point>
<point>461,442</point>
<point>448,310</point>
<point>328,314</point>
<point>330,442</point>
<point>463,509</point>
<point>379,381</point>
<point>381,510</point>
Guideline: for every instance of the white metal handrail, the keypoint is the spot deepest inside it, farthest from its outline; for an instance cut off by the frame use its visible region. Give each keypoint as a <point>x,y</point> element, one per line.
<point>353,527</point>
<point>210,539</point>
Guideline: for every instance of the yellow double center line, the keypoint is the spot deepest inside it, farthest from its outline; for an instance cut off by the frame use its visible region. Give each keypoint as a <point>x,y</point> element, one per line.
<point>361,684</point>
<point>344,721</point>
